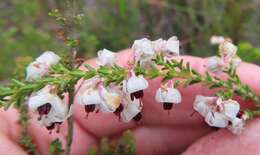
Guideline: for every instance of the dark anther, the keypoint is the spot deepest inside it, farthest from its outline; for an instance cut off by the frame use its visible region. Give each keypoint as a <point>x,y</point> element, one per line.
<point>90,108</point>
<point>119,110</point>
<point>44,110</point>
<point>53,125</point>
<point>167,106</point>
<point>214,128</point>
<point>240,114</point>
<point>138,117</point>
<point>50,127</point>
<point>137,95</point>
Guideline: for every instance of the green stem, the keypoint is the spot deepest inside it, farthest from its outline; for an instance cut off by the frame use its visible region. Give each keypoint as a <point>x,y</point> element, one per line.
<point>25,139</point>
<point>179,70</point>
<point>69,138</point>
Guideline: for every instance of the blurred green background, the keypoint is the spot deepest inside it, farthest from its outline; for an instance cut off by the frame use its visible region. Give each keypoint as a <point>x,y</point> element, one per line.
<point>27,30</point>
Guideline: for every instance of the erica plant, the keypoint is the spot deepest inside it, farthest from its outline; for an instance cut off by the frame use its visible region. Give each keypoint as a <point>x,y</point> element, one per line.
<point>49,89</point>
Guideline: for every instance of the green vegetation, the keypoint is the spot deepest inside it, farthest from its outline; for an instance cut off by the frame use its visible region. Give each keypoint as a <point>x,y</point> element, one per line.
<point>27,30</point>
<point>123,146</point>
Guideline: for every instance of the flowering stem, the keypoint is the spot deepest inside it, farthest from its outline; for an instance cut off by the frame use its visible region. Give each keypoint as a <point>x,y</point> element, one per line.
<point>69,137</point>
<point>174,69</point>
<point>25,139</point>
<point>252,113</point>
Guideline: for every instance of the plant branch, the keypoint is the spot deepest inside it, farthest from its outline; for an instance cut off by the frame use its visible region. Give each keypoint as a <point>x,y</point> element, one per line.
<point>69,138</point>
<point>176,69</point>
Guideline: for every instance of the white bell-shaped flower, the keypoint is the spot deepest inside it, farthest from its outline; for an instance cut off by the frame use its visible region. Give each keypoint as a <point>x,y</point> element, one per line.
<point>111,100</point>
<point>231,108</point>
<point>88,95</point>
<point>132,109</point>
<point>168,96</point>
<point>51,108</point>
<point>106,57</point>
<point>40,66</point>
<point>55,118</point>
<point>216,40</point>
<point>44,96</point>
<point>49,58</point>
<point>170,46</point>
<point>237,126</point>
<point>143,46</point>
<point>143,52</point>
<point>173,46</point>
<point>227,51</point>
<point>216,119</point>
<point>135,86</point>
<point>202,104</point>
<point>159,45</point>
<point>214,64</point>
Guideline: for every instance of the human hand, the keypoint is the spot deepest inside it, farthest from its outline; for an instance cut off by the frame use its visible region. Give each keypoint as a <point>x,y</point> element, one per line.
<point>157,133</point>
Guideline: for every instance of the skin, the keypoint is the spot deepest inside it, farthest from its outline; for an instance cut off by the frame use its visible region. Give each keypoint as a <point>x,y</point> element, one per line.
<point>157,133</point>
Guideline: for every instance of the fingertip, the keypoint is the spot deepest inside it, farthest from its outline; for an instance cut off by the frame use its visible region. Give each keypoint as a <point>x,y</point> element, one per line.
<point>224,142</point>
<point>250,75</point>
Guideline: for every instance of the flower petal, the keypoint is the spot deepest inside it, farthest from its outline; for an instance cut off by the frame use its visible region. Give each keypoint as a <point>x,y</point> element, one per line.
<point>202,104</point>
<point>135,83</point>
<point>49,58</point>
<point>36,70</point>
<point>237,126</point>
<point>110,100</point>
<point>214,64</point>
<point>173,46</point>
<point>231,108</point>
<point>143,46</point>
<point>169,95</point>
<point>216,119</point>
<point>131,109</point>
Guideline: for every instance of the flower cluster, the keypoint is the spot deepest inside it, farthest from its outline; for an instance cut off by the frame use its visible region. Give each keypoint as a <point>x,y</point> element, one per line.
<point>125,99</point>
<point>145,49</point>
<point>228,57</point>
<point>216,111</point>
<point>220,114</point>
<point>113,89</point>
